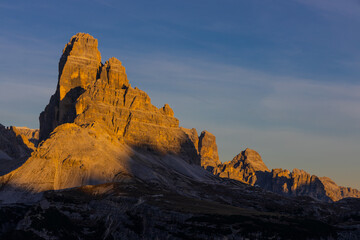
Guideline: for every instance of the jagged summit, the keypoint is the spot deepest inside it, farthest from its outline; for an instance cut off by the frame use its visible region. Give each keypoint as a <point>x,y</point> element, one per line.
<point>89,91</point>
<point>249,168</point>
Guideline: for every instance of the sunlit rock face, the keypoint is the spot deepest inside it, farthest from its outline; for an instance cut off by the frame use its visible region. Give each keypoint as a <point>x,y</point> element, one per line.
<point>78,69</point>
<point>249,168</point>
<point>89,91</point>
<point>243,167</point>
<point>97,128</point>
<point>208,151</point>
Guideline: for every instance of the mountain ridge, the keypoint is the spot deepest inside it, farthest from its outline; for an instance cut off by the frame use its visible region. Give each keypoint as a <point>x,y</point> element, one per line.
<point>249,168</point>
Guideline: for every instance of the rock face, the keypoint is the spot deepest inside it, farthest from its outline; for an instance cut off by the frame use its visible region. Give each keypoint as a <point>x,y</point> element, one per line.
<point>295,183</point>
<point>206,148</point>
<point>30,135</point>
<point>248,167</point>
<point>14,143</point>
<point>78,68</point>
<point>208,151</point>
<point>336,192</point>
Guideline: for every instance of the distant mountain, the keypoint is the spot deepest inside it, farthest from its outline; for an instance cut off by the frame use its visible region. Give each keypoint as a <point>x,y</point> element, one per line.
<point>16,145</point>
<point>249,168</point>
<point>107,164</point>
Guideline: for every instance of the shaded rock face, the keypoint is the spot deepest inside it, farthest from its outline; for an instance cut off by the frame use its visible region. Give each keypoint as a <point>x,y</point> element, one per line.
<point>295,183</point>
<point>206,148</point>
<point>32,135</point>
<point>249,168</point>
<point>14,143</point>
<point>89,91</point>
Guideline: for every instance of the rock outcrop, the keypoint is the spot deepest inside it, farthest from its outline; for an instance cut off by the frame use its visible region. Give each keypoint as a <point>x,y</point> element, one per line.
<point>336,192</point>
<point>249,168</point>
<point>295,183</point>
<point>244,167</point>
<point>208,151</point>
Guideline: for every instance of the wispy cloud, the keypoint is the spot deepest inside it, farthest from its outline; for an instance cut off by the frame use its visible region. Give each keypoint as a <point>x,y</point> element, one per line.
<point>288,101</point>
<point>294,122</point>
<point>350,8</point>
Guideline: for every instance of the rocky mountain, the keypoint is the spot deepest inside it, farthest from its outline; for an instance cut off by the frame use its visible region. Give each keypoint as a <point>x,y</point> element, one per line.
<point>110,165</point>
<point>249,168</point>
<point>98,129</point>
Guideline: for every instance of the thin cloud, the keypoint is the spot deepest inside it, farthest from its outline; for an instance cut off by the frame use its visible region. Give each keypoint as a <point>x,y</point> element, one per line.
<point>349,8</point>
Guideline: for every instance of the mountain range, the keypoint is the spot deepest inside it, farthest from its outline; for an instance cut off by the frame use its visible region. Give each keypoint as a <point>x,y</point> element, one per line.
<point>108,164</point>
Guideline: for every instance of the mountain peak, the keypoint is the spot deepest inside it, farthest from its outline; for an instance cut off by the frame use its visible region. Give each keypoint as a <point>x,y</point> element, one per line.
<point>82,45</point>
<point>114,73</point>
<point>252,158</point>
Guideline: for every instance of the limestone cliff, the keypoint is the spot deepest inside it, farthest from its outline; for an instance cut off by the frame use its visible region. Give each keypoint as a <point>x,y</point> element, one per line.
<point>78,68</point>
<point>97,128</point>
<point>208,151</point>
<point>89,91</point>
<point>248,167</point>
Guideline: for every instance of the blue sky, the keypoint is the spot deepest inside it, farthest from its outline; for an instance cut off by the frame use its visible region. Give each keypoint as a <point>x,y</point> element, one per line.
<point>281,77</point>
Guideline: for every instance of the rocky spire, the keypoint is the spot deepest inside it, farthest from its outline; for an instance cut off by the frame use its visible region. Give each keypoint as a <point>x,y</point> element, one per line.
<point>208,151</point>
<point>90,92</point>
<point>78,68</point>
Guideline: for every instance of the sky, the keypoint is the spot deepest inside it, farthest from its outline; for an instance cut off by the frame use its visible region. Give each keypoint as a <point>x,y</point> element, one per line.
<point>281,77</point>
